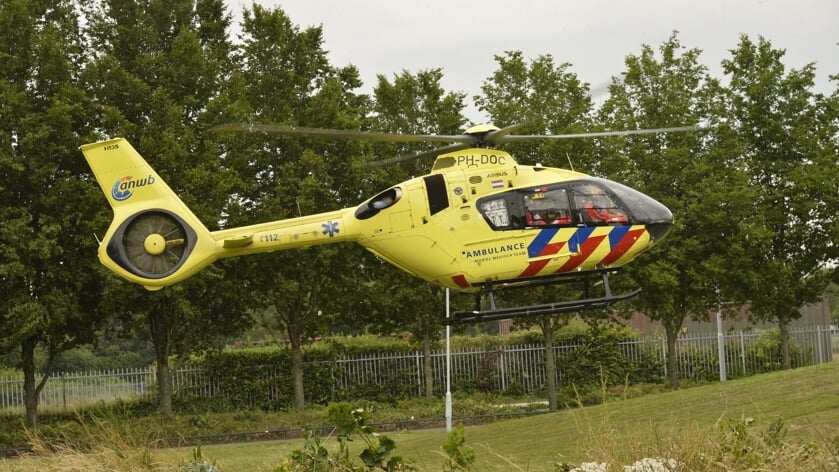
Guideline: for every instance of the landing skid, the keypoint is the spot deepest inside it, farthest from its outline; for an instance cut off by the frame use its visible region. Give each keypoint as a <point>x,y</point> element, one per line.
<point>585,303</point>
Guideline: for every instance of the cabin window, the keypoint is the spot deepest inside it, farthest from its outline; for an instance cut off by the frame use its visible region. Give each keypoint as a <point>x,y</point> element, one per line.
<point>435,188</point>
<point>594,205</point>
<point>496,212</point>
<point>548,207</point>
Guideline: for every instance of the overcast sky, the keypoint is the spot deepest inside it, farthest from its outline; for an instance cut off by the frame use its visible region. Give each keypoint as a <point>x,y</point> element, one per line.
<point>462,36</point>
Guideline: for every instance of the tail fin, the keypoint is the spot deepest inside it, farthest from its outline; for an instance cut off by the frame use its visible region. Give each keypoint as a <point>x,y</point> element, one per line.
<point>154,239</point>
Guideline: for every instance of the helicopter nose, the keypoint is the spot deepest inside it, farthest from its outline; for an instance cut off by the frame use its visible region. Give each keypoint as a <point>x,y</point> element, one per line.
<point>645,210</point>
<point>658,230</point>
<point>654,215</point>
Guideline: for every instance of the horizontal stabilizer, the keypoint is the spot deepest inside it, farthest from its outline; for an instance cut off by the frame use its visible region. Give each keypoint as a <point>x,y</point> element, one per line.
<point>238,241</point>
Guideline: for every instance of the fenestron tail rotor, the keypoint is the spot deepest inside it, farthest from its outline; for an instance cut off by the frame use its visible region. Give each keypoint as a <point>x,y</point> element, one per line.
<point>152,243</point>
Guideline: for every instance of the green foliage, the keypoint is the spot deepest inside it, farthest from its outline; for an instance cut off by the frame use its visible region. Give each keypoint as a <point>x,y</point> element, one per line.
<point>198,463</point>
<point>597,358</point>
<point>486,378</point>
<point>744,449</point>
<point>459,456</point>
<point>793,161</point>
<point>691,173</point>
<point>765,355</point>
<point>377,455</point>
<point>760,356</point>
<point>365,344</point>
<point>49,284</point>
<point>314,457</point>
<point>256,379</point>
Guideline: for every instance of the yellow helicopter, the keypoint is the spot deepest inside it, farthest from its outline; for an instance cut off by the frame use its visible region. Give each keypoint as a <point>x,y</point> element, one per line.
<point>477,222</point>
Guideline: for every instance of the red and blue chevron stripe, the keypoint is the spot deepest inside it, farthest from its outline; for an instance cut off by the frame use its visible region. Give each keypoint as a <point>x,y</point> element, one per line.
<point>580,247</point>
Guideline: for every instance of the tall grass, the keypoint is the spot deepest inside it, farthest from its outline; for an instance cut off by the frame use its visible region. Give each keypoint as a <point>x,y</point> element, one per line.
<point>730,444</point>
<point>786,421</point>
<point>99,446</point>
<point>726,444</point>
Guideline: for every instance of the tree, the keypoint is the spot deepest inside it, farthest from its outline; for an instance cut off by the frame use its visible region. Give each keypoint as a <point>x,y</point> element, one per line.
<point>547,99</point>
<point>543,97</point>
<point>833,298</point>
<point>693,174</point>
<point>789,144</point>
<point>157,69</point>
<point>285,78</point>
<point>410,104</point>
<point>48,280</point>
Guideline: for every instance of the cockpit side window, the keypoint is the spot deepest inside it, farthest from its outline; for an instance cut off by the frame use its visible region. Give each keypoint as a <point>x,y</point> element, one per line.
<point>378,203</point>
<point>595,205</point>
<point>548,207</point>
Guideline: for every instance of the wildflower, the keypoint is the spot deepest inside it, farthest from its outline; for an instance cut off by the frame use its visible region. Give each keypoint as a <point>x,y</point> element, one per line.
<point>648,464</point>
<point>591,467</point>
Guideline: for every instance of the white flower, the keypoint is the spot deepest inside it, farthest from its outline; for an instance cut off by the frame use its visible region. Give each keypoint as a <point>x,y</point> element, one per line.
<point>591,467</point>
<point>648,464</point>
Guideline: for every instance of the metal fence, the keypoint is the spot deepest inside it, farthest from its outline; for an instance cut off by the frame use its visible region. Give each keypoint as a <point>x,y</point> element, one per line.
<point>516,369</point>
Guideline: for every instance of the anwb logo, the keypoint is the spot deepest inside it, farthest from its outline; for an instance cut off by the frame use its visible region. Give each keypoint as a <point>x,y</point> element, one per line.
<point>121,190</point>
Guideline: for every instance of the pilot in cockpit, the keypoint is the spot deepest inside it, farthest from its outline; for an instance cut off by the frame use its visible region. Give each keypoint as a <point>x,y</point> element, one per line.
<point>542,210</point>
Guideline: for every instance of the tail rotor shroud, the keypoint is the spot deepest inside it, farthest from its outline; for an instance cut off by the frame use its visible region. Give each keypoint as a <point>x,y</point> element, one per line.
<point>152,243</point>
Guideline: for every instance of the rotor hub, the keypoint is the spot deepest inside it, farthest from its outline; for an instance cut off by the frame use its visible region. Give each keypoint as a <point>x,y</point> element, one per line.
<point>154,244</point>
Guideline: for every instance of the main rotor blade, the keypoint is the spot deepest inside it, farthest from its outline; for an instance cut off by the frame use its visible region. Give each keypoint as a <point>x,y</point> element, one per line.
<point>421,155</point>
<point>497,136</point>
<point>341,134</point>
<point>509,138</point>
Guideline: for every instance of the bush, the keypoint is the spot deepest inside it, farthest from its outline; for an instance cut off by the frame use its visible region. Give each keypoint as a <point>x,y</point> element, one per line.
<point>378,455</point>
<point>597,359</point>
<point>261,378</point>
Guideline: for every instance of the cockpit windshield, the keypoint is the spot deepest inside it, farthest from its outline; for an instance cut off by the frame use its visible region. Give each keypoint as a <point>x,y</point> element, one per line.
<point>587,202</point>
<point>594,204</point>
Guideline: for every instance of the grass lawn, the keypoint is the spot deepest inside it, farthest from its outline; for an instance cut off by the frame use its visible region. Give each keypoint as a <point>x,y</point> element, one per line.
<point>682,424</point>
<point>623,431</point>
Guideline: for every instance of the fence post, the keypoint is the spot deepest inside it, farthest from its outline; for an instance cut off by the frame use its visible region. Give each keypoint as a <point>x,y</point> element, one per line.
<point>819,357</point>
<point>721,345</point>
<point>419,374</point>
<point>503,372</point>
<point>448,367</point>
<point>743,352</point>
<point>63,392</point>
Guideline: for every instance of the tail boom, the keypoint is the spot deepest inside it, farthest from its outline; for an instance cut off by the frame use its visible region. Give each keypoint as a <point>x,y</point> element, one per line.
<point>155,240</point>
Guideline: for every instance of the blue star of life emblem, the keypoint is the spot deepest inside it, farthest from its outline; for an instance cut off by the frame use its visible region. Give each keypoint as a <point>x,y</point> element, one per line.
<point>330,228</point>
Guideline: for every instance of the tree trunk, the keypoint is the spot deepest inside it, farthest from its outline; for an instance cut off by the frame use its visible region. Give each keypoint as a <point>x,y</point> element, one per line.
<point>783,328</point>
<point>164,383</point>
<point>427,366</point>
<point>31,388</point>
<point>672,333</point>
<point>550,364</point>
<point>294,337</point>
<point>30,392</point>
<point>159,326</point>
<point>297,374</point>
